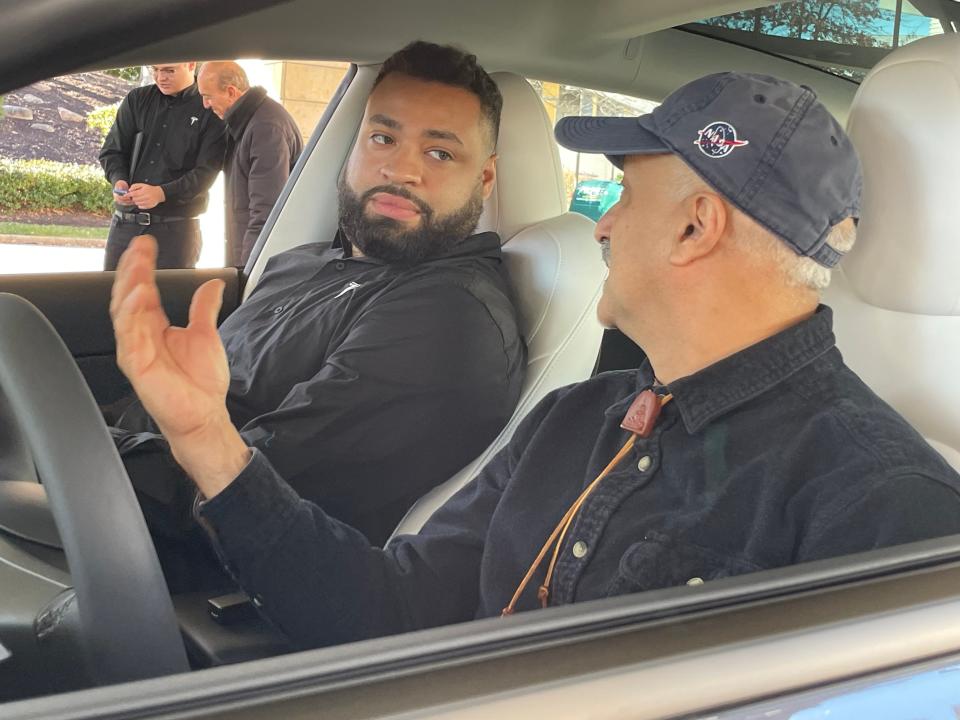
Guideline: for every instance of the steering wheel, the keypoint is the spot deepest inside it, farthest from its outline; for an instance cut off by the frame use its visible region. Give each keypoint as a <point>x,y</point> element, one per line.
<point>128,630</point>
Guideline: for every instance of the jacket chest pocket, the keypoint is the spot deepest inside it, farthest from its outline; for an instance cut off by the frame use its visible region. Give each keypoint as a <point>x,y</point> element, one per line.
<point>660,561</point>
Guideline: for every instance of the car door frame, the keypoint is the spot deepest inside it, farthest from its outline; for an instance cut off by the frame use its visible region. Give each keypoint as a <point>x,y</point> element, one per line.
<point>661,654</point>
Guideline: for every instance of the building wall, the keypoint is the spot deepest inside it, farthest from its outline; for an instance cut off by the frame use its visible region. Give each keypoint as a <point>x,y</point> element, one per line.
<point>305,87</point>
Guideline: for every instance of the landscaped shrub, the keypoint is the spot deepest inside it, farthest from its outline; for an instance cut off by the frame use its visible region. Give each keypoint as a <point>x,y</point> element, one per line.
<point>46,185</point>
<point>102,119</point>
<point>126,73</point>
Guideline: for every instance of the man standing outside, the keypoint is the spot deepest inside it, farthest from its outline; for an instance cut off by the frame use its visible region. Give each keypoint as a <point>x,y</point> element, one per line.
<point>263,144</point>
<point>161,156</point>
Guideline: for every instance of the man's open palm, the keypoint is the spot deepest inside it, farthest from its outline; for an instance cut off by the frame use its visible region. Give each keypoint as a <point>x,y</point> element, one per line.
<point>180,374</point>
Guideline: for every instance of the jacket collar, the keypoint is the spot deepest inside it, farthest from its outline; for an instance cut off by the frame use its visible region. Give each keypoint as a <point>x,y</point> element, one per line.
<point>238,116</point>
<point>484,244</point>
<point>719,388</point>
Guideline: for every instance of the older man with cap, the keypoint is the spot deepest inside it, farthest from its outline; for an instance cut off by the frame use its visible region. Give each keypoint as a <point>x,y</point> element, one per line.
<point>743,443</point>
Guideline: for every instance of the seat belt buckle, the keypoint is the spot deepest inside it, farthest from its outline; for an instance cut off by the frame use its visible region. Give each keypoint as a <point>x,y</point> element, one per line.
<point>232,608</point>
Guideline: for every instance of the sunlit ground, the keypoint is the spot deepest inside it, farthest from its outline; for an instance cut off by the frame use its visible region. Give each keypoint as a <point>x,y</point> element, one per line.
<point>16,259</point>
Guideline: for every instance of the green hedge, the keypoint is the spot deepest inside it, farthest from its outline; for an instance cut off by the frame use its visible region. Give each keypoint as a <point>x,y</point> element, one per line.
<point>47,185</point>
<point>102,119</point>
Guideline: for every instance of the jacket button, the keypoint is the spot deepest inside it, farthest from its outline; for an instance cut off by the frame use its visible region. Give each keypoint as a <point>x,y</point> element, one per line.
<point>695,581</point>
<point>579,549</point>
<point>644,464</point>
<point>257,601</point>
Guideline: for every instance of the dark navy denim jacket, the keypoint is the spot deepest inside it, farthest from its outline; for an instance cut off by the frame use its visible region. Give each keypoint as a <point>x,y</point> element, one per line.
<point>776,455</point>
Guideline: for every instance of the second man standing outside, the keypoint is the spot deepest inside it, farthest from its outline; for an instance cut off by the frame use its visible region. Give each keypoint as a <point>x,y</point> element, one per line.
<point>263,144</point>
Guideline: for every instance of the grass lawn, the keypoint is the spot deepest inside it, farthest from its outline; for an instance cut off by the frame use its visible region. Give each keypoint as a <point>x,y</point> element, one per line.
<point>17,228</point>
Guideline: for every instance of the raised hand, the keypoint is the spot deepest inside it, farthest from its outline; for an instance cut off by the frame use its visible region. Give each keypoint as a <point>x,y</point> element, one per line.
<point>180,374</point>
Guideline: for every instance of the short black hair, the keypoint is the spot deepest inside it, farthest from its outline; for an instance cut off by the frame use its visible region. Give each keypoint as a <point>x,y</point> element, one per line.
<point>450,66</point>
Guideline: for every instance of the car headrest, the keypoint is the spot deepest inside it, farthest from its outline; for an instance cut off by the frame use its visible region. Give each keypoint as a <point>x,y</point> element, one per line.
<point>529,187</point>
<point>903,121</point>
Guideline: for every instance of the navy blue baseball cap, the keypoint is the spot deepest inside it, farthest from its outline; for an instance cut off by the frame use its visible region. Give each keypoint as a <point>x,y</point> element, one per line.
<point>767,145</point>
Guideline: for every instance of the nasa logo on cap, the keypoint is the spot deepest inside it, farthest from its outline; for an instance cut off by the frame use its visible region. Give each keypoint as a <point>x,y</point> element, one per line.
<point>718,139</point>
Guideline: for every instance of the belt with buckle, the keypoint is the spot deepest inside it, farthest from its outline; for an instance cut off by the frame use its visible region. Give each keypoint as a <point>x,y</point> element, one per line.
<point>145,218</point>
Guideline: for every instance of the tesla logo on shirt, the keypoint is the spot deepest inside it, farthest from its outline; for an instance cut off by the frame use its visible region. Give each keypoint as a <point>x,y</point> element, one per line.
<point>193,120</point>
<point>347,288</point>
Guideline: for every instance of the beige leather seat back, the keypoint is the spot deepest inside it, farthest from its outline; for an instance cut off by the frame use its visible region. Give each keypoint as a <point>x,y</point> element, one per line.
<point>553,262</point>
<point>897,297</point>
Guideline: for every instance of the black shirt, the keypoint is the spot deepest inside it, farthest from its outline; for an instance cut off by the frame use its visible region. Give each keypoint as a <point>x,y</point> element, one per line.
<point>776,455</point>
<point>368,383</point>
<point>181,150</point>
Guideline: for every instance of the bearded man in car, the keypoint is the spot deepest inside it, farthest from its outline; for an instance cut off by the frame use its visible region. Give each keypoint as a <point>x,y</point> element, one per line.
<point>372,370</point>
<point>742,443</point>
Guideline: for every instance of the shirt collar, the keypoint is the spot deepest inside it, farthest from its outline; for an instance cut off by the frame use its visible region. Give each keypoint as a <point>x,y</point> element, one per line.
<point>729,383</point>
<point>484,244</point>
<point>181,96</point>
<point>242,110</point>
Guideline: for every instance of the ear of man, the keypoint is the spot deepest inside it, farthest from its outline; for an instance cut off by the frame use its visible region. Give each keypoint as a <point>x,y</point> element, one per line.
<point>488,175</point>
<point>701,223</point>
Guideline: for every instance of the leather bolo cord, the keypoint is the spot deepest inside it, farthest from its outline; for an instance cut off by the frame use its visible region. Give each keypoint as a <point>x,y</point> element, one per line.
<point>560,531</point>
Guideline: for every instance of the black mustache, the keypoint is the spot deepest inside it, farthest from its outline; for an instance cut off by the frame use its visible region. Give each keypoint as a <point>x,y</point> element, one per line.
<point>399,191</point>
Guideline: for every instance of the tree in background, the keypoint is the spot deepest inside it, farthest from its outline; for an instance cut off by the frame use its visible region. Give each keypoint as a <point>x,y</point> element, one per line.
<point>847,22</point>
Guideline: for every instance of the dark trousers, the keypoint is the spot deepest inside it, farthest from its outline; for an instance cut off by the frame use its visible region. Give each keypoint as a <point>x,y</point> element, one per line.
<point>178,242</point>
<point>166,498</point>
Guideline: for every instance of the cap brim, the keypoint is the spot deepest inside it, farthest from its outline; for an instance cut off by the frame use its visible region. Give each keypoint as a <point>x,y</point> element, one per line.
<point>614,137</point>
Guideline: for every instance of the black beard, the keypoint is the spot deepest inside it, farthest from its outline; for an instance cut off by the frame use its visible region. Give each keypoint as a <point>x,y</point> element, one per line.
<point>386,239</point>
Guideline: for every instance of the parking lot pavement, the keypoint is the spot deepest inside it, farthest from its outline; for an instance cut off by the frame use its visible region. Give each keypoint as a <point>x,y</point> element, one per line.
<point>42,258</point>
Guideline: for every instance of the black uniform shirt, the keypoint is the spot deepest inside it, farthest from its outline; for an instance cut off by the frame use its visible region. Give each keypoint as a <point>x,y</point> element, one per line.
<point>181,151</point>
